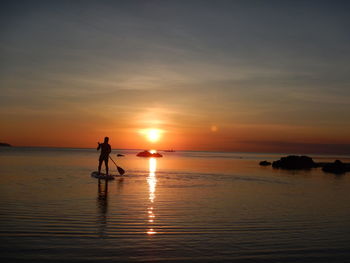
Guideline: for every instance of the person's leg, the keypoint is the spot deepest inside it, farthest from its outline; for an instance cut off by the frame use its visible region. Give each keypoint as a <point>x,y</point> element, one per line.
<point>99,166</point>
<point>106,164</point>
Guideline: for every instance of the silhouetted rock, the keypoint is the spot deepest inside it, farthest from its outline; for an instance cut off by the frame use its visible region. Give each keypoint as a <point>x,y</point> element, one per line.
<point>338,167</point>
<point>294,162</point>
<point>148,154</point>
<point>3,144</point>
<point>265,163</point>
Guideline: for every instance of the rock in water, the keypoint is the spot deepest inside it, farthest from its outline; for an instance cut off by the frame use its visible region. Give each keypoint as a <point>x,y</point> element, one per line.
<point>338,167</point>
<point>264,163</point>
<point>148,154</point>
<point>294,162</point>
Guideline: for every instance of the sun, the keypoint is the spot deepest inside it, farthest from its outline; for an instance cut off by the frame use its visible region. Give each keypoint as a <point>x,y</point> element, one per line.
<point>152,135</point>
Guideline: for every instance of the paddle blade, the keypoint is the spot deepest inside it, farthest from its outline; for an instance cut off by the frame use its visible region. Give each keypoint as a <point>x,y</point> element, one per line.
<point>120,170</point>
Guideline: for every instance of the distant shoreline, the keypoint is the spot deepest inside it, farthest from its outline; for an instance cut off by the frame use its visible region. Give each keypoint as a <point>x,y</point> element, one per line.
<point>4,144</point>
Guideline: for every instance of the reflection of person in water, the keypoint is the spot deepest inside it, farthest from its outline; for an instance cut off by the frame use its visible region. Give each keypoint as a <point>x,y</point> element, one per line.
<point>102,196</point>
<point>102,204</point>
<point>105,151</point>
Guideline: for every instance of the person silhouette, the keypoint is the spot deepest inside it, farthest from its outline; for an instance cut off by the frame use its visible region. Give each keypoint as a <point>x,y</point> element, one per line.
<point>105,151</point>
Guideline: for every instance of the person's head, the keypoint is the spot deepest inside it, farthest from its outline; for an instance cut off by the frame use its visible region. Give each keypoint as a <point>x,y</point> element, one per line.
<point>106,139</point>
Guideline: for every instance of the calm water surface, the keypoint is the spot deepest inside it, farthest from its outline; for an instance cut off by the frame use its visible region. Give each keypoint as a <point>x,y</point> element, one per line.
<point>186,206</point>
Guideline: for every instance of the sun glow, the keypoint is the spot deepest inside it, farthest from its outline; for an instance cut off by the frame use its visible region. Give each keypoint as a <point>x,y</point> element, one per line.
<point>152,135</point>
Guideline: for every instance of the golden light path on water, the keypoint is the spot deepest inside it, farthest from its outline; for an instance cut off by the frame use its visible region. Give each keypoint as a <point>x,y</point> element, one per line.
<point>152,182</point>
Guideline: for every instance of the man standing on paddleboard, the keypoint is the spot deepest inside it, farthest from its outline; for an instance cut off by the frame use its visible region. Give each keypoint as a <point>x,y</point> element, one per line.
<point>105,151</point>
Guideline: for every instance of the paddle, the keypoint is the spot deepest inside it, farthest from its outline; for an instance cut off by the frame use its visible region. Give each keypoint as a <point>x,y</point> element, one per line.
<point>120,170</point>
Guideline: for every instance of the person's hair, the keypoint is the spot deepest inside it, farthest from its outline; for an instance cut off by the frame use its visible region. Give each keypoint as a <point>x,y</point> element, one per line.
<point>106,139</point>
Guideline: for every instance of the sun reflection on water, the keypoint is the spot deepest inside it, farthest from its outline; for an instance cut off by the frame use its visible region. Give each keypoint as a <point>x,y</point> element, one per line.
<point>152,182</point>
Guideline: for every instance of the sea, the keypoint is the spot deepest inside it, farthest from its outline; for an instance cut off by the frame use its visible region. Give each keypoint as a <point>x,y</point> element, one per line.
<point>187,206</point>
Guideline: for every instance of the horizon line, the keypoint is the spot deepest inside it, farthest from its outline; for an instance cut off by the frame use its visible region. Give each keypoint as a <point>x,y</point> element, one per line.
<point>181,150</point>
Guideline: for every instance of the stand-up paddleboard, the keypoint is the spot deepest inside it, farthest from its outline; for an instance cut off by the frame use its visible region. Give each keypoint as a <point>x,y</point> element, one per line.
<point>103,176</point>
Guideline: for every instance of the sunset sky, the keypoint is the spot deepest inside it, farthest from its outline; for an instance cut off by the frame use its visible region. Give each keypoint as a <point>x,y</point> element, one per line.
<point>262,76</point>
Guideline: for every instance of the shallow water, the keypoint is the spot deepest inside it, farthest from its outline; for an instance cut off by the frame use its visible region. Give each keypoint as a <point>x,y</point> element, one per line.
<point>186,206</point>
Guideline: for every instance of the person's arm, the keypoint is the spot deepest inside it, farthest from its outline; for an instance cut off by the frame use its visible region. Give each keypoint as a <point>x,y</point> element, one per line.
<point>109,149</point>
<point>99,146</point>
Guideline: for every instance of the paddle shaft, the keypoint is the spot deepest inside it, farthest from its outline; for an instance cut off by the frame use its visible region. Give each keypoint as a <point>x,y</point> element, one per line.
<point>112,160</point>
<point>120,170</point>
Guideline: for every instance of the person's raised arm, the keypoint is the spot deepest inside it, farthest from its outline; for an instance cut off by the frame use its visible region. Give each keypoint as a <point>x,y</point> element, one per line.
<point>99,146</point>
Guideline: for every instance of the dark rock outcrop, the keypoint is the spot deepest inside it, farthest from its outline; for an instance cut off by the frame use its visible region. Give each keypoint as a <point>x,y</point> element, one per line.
<point>3,144</point>
<point>294,162</point>
<point>265,163</point>
<point>148,154</point>
<point>338,167</point>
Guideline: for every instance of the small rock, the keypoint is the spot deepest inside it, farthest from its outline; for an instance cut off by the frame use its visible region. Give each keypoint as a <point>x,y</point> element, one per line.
<point>148,154</point>
<point>265,163</point>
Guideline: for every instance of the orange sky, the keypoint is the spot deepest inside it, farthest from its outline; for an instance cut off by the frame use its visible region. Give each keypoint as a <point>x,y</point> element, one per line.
<point>186,133</point>
<point>229,77</point>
